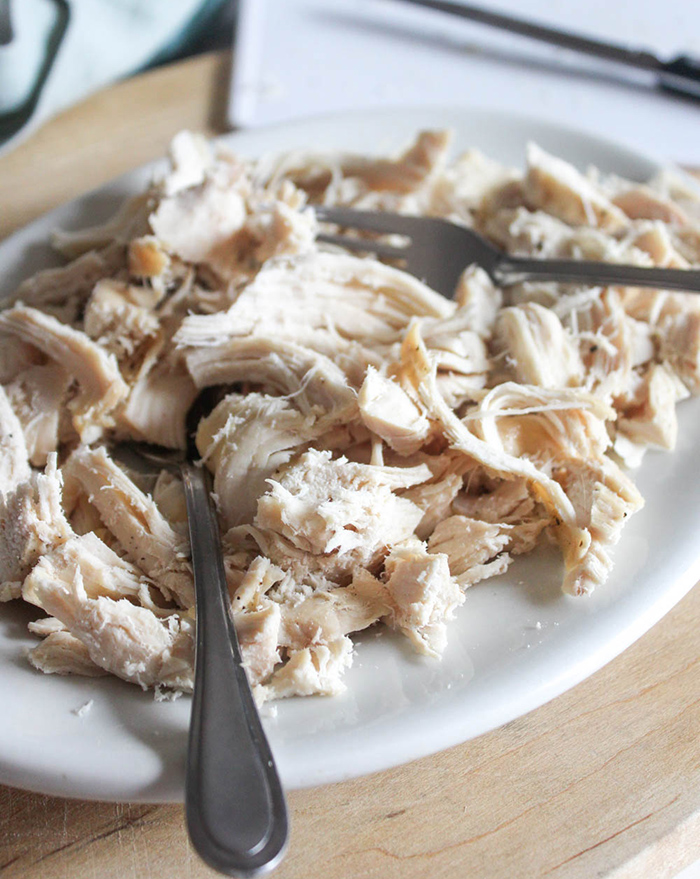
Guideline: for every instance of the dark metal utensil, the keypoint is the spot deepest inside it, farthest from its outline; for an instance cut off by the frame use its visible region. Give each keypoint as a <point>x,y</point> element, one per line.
<point>236,811</point>
<point>680,74</point>
<point>437,251</point>
<point>234,802</point>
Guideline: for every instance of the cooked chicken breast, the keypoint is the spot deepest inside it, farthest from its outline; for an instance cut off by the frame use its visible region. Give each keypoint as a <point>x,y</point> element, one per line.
<point>147,538</point>
<point>377,451</point>
<point>101,387</point>
<point>32,522</point>
<point>120,636</point>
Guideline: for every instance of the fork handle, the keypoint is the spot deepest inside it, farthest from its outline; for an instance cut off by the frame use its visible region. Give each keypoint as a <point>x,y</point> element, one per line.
<point>235,805</point>
<point>681,74</point>
<point>514,270</point>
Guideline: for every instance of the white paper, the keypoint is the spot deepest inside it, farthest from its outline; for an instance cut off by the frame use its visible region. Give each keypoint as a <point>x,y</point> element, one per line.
<point>304,57</point>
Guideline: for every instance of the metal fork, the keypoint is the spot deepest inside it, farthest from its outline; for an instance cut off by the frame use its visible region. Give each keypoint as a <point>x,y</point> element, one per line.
<point>234,802</point>
<point>438,251</point>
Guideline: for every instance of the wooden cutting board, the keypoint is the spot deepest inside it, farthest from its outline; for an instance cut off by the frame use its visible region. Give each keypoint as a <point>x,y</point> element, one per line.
<point>602,782</point>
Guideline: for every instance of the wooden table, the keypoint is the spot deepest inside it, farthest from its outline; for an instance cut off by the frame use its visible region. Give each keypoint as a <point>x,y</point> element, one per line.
<point>604,781</point>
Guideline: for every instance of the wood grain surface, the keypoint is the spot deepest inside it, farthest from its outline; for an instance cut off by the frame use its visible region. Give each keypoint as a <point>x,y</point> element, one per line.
<point>602,782</point>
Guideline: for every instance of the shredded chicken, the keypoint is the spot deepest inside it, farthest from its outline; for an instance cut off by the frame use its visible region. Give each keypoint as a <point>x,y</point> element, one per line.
<point>101,386</point>
<point>32,522</point>
<point>377,449</point>
<point>120,636</point>
<point>146,537</point>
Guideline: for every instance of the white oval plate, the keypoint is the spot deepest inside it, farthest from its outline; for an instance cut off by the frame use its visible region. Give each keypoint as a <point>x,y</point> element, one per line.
<point>516,643</point>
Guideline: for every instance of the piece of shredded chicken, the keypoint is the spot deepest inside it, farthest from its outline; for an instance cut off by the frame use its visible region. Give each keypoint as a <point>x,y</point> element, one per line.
<point>377,449</point>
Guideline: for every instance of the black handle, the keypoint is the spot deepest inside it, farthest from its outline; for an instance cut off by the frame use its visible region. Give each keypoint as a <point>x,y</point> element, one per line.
<point>681,75</point>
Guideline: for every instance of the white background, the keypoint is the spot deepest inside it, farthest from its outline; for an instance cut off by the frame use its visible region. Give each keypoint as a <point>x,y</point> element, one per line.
<point>300,57</point>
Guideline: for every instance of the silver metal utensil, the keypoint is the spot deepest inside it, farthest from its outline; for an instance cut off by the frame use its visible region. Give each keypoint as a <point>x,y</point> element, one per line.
<point>438,251</point>
<point>234,801</point>
<point>236,810</point>
<point>680,74</point>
